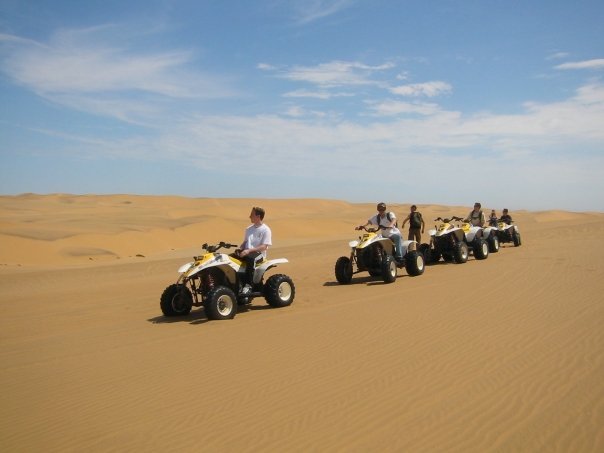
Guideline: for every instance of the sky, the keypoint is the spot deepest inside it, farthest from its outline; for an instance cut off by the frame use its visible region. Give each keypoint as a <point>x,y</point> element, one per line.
<point>401,101</point>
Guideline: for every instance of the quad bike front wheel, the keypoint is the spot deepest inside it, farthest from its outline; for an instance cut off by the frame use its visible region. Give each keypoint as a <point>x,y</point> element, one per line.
<point>221,303</point>
<point>414,263</point>
<point>389,270</point>
<point>481,249</point>
<point>516,239</point>
<point>279,291</point>
<point>176,300</point>
<point>343,270</point>
<point>493,241</point>
<point>460,252</point>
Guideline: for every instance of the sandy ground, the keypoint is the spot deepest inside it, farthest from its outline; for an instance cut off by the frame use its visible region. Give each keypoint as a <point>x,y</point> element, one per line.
<point>505,354</point>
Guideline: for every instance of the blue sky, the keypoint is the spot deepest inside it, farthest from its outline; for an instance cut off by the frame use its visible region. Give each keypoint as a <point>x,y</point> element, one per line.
<point>444,101</point>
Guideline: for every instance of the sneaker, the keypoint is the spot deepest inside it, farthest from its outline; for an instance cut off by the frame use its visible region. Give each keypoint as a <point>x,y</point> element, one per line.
<point>246,289</point>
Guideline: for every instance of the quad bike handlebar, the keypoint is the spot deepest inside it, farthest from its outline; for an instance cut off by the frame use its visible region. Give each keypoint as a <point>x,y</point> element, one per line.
<point>446,220</point>
<point>370,230</point>
<point>215,248</point>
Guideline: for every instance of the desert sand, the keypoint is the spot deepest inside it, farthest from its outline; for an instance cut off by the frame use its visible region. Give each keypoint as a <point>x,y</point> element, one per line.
<point>505,354</point>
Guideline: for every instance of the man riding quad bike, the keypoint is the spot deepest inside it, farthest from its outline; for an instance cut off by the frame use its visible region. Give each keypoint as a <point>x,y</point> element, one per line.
<point>215,281</point>
<point>508,232</point>
<point>374,254</point>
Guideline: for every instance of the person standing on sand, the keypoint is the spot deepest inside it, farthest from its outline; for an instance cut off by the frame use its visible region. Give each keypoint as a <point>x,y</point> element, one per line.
<point>256,241</point>
<point>416,224</point>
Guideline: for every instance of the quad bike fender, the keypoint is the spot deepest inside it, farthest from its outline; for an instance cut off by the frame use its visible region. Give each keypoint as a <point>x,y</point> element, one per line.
<point>265,266</point>
<point>473,233</point>
<point>459,234</point>
<point>488,231</point>
<point>185,267</point>
<point>409,246</point>
<point>225,263</point>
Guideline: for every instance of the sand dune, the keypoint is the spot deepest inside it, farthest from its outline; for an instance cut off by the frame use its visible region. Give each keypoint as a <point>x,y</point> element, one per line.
<point>505,354</point>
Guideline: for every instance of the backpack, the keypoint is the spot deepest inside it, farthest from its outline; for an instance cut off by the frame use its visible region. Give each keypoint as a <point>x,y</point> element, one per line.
<point>415,220</point>
<point>388,216</point>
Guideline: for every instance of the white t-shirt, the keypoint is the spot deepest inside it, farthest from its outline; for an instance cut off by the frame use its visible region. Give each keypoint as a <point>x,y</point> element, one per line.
<point>257,235</point>
<point>384,221</point>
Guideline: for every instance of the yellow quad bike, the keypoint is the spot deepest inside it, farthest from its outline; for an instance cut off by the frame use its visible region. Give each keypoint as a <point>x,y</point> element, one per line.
<point>508,232</point>
<point>214,280</point>
<point>374,253</point>
<point>448,241</point>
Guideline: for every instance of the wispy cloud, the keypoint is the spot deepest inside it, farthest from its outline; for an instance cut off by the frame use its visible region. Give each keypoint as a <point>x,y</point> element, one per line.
<point>392,108</point>
<point>91,70</point>
<point>334,73</point>
<point>587,64</point>
<point>315,94</point>
<point>428,89</point>
<point>307,11</point>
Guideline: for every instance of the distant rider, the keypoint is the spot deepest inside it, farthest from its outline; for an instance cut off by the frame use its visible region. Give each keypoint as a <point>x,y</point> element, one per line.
<point>505,217</point>
<point>493,218</point>
<point>256,240</point>
<point>476,216</point>
<point>386,221</point>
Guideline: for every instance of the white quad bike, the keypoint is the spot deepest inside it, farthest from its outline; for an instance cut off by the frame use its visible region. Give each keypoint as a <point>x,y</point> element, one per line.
<point>375,254</point>
<point>508,232</point>
<point>214,280</point>
<point>447,240</point>
<point>475,237</point>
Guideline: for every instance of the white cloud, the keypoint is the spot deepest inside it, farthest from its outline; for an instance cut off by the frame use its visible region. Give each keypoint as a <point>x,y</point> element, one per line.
<point>315,94</point>
<point>557,56</point>
<point>85,69</point>
<point>307,11</point>
<point>335,73</point>
<point>588,64</point>
<point>429,89</point>
<point>391,108</point>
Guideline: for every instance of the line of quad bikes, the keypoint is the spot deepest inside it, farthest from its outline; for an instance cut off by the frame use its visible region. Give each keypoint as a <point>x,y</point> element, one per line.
<point>215,279</point>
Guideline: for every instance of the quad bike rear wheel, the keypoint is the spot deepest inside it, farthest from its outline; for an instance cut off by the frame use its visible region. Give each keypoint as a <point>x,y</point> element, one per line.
<point>343,270</point>
<point>414,263</point>
<point>221,303</point>
<point>176,300</point>
<point>279,291</point>
<point>389,269</point>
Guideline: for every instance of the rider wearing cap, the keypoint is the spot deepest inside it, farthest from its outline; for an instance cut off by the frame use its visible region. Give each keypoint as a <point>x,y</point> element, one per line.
<point>386,222</point>
<point>476,216</point>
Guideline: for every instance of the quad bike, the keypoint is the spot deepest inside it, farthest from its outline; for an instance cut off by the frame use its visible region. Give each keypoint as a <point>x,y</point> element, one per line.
<point>475,238</point>
<point>215,281</point>
<point>374,253</point>
<point>490,235</point>
<point>508,233</point>
<point>448,241</point>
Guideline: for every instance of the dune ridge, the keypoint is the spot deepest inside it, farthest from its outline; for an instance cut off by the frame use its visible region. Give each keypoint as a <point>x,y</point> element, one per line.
<point>505,354</point>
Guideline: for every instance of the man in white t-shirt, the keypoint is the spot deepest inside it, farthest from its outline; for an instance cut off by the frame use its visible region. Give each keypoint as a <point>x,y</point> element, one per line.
<point>256,240</point>
<point>386,221</point>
